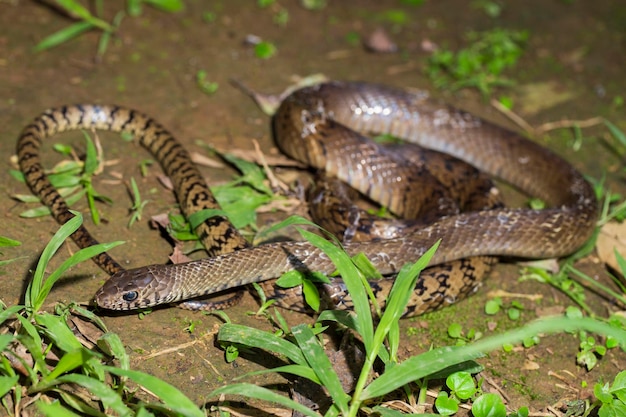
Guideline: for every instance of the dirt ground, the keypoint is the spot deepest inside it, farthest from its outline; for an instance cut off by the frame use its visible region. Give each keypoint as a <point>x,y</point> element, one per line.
<point>573,68</point>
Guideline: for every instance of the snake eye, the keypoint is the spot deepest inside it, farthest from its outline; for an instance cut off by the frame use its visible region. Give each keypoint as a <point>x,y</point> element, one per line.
<point>130,296</point>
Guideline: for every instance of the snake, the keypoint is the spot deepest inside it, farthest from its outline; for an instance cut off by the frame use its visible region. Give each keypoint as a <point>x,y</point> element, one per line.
<point>320,125</point>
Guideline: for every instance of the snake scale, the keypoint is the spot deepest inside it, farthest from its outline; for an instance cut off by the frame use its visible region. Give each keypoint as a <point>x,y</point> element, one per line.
<point>317,125</point>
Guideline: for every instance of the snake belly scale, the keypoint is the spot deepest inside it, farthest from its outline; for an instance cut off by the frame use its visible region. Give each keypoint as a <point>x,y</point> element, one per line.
<point>306,127</point>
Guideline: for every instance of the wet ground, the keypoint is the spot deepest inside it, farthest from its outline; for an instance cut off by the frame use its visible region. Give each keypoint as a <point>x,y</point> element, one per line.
<point>573,69</point>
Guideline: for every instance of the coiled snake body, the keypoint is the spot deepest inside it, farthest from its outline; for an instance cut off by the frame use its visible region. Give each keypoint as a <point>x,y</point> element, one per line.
<point>302,126</point>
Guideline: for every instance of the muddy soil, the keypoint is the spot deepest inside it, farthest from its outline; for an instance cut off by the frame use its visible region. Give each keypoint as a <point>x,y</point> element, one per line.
<point>573,69</point>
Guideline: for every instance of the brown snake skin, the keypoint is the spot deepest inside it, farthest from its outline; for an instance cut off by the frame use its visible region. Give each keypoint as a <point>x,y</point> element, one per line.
<point>301,125</point>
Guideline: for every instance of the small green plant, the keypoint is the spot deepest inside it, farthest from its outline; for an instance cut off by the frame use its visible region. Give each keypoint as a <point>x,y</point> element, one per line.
<point>481,64</point>
<point>73,179</point>
<point>455,331</point>
<point>8,242</point>
<point>87,21</point>
<point>303,347</point>
<point>495,305</point>
<point>265,50</point>
<point>206,86</point>
<point>63,377</point>
<point>138,204</point>
<point>489,7</point>
<point>611,398</point>
<point>463,389</point>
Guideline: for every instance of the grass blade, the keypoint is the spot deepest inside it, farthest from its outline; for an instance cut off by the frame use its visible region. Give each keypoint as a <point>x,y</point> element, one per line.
<point>55,327</point>
<point>427,363</point>
<point>172,398</point>
<point>352,279</point>
<point>78,257</point>
<point>616,132</point>
<point>261,393</point>
<point>63,35</point>
<point>34,288</point>
<point>5,241</point>
<point>109,397</point>
<point>319,362</point>
<point>55,409</point>
<point>248,336</point>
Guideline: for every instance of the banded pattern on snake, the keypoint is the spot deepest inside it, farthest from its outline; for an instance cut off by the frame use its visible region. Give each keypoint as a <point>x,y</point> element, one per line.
<point>302,124</point>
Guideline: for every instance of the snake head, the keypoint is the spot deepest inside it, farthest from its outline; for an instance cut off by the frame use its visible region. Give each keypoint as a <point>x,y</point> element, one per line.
<point>129,290</point>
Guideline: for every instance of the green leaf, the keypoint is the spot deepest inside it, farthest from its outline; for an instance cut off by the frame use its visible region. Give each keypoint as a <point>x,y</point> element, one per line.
<point>112,345</point>
<point>254,391</point>
<point>110,398</point>
<point>91,156</point>
<point>5,241</point>
<point>290,279</point>
<point>68,362</point>
<point>455,331</point>
<point>199,217</point>
<point>303,371</point>
<point>33,291</point>
<point>171,397</point>
<point>320,363</point>
<point>54,409</point>
<point>78,257</point>
<point>616,132</point>
<point>57,329</point>
<point>462,384</point>
<point>248,336</point>
<point>311,294</point>
<point>488,405</point>
<point>7,383</point>
<point>170,6</point>
<point>265,50</point>
<point>354,281</point>
<point>493,306</point>
<point>417,367</point>
<point>601,391</point>
<point>618,388</point>
<point>445,405</point>
<point>63,35</point>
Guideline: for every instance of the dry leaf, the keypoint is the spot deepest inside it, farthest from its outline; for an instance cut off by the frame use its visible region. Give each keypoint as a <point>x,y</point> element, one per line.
<point>379,41</point>
<point>612,238</point>
<point>204,160</point>
<point>177,256</point>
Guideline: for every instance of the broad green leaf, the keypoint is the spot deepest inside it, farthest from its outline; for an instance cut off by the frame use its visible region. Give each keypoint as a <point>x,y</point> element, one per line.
<point>199,217</point>
<point>489,405</point>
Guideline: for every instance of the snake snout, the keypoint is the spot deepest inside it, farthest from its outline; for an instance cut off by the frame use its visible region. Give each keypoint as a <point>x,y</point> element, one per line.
<point>128,290</point>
